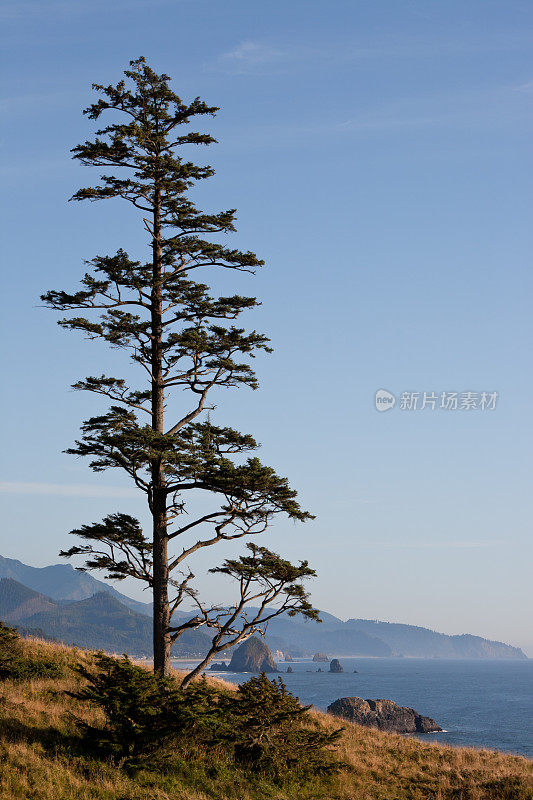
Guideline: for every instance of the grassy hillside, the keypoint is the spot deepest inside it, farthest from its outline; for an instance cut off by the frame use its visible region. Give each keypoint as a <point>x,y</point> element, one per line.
<point>41,757</point>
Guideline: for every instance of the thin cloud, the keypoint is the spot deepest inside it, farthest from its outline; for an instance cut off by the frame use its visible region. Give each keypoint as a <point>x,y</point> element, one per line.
<point>473,109</point>
<point>269,57</point>
<point>66,489</point>
<point>482,110</point>
<point>524,87</point>
<point>249,54</point>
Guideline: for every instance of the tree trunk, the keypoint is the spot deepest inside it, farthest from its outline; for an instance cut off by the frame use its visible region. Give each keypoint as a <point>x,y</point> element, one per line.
<point>160,580</point>
<point>159,498</point>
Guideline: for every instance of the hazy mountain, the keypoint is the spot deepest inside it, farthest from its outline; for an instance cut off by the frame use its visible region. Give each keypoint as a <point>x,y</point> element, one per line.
<point>97,622</point>
<point>297,636</point>
<point>342,642</point>
<point>100,621</point>
<point>17,602</point>
<point>413,641</point>
<point>63,604</point>
<point>360,637</point>
<point>63,582</point>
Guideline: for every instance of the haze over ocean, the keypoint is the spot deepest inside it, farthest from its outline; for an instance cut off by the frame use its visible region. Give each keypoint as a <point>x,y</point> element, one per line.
<point>379,157</point>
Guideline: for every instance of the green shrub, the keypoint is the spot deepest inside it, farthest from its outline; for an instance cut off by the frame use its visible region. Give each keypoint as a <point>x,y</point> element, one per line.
<point>16,665</point>
<point>260,727</point>
<point>273,733</point>
<point>143,713</point>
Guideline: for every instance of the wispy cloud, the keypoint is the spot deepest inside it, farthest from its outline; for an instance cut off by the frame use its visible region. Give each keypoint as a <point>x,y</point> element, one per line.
<point>250,55</point>
<point>66,489</point>
<point>524,87</point>
<point>481,110</point>
<point>269,56</point>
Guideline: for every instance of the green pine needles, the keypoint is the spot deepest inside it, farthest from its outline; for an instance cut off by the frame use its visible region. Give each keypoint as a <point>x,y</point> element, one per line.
<point>274,734</point>
<point>185,344</point>
<point>261,727</point>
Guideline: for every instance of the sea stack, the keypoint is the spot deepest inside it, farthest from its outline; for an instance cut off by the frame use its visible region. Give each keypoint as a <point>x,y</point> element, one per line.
<point>335,666</point>
<point>252,656</point>
<point>320,657</point>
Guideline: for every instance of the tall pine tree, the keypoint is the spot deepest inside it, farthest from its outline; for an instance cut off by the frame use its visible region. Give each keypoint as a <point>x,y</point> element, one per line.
<point>184,340</point>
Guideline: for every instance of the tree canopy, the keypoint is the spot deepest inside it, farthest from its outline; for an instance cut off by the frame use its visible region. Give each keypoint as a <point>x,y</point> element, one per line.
<point>185,343</point>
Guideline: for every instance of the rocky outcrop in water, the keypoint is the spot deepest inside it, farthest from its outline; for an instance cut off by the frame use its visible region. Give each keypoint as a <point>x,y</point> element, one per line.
<point>382,714</point>
<point>252,656</point>
<point>335,666</point>
<point>320,657</point>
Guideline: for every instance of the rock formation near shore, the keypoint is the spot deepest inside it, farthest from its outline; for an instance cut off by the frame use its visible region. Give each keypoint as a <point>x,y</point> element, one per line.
<point>320,657</point>
<point>335,666</point>
<point>382,714</point>
<point>252,656</point>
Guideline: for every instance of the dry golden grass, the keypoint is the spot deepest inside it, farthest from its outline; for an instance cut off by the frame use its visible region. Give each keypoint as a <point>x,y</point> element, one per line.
<point>383,765</point>
<point>37,723</point>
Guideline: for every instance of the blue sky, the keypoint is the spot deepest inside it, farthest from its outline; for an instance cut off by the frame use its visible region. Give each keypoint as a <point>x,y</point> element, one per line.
<point>379,156</point>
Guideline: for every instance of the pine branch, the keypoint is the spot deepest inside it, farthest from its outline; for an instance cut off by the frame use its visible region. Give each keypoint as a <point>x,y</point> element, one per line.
<point>183,338</point>
<point>274,577</point>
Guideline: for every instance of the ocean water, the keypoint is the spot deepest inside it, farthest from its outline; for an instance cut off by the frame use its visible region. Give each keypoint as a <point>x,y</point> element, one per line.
<point>485,704</point>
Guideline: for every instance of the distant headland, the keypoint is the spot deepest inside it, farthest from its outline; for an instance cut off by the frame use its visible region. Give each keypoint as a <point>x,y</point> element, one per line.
<point>76,608</point>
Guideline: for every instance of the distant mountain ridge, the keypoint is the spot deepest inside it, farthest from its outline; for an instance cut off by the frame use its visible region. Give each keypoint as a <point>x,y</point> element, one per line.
<point>63,582</point>
<point>363,637</point>
<point>97,622</point>
<point>298,636</point>
<point>76,608</point>
<point>415,642</point>
<point>18,602</point>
